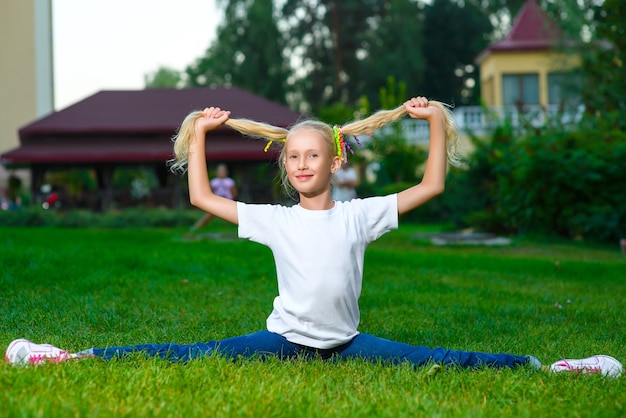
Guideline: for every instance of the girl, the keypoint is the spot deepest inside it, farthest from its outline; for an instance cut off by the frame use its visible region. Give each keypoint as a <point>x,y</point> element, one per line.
<point>222,185</point>
<point>318,247</point>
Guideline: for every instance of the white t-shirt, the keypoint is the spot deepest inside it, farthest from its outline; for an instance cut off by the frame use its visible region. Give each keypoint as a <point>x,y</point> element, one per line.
<point>319,263</point>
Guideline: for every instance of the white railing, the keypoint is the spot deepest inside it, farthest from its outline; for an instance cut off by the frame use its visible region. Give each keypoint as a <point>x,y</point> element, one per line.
<point>479,121</point>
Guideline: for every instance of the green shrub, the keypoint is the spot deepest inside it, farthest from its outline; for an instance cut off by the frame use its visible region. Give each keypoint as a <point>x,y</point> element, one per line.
<point>553,182</point>
<point>26,217</point>
<point>128,218</point>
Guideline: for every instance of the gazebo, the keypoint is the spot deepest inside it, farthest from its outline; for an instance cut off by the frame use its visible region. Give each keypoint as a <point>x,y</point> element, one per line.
<point>116,129</point>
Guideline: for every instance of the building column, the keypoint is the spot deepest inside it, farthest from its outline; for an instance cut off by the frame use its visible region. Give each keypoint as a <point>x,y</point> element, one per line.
<point>104,176</point>
<point>37,172</point>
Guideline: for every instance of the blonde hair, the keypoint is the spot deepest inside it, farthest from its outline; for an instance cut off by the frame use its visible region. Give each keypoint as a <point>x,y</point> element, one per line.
<point>272,133</point>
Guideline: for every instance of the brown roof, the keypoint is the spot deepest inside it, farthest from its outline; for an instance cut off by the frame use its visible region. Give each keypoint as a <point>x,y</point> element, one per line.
<point>137,126</point>
<point>131,150</point>
<point>532,30</point>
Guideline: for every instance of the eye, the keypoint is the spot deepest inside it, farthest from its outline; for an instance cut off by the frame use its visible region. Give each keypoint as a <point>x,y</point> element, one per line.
<point>292,156</point>
<point>313,155</point>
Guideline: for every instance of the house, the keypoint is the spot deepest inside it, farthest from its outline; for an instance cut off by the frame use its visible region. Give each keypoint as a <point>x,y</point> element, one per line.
<point>525,73</point>
<point>526,67</point>
<point>113,130</point>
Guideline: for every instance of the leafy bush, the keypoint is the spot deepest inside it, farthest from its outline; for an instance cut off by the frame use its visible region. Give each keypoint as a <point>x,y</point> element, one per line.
<point>569,183</point>
<point>129,218</point>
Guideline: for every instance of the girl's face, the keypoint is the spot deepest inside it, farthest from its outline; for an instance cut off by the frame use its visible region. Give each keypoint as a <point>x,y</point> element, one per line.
<point>222,171</point>
<point>309,163</point>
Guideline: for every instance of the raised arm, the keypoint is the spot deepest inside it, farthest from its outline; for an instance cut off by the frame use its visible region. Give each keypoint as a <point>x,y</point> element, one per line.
<point>200,193</point>
<point>433,182</point>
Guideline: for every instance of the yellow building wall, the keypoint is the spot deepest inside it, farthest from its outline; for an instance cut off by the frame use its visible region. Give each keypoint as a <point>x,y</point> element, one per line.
<point>26,78</point>
<point>494,66</point>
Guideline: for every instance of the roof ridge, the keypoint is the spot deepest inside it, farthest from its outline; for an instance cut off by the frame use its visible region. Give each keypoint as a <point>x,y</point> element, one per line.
<point>533,23</point>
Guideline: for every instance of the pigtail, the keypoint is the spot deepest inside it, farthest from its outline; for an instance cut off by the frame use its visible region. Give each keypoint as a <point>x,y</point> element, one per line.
<point>373,122</point>
<point>182,140</point>
<point>258,129</point>
<point>385,117</point>
<point>451,132</point>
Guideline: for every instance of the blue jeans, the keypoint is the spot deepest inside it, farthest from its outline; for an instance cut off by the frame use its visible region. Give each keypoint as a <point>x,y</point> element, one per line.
<point>264,343</point>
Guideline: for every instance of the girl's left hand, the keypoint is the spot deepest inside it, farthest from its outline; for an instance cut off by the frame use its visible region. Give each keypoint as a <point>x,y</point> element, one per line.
<point>418,108</point>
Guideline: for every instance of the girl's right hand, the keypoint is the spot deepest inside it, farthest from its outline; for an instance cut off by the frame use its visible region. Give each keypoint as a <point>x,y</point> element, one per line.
<point>211,118</point>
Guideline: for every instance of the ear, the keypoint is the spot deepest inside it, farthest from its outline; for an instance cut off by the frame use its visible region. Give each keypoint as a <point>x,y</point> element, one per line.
<point>335,164</point>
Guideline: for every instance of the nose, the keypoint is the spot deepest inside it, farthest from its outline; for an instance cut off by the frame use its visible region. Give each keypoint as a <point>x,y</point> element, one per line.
<point>302,163</point>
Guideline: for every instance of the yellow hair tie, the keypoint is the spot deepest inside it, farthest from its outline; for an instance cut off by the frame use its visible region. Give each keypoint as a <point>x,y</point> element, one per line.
<point>268,146</point>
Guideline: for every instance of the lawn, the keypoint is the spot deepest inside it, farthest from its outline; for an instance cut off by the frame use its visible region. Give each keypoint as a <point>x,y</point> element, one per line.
<point>78,288</point>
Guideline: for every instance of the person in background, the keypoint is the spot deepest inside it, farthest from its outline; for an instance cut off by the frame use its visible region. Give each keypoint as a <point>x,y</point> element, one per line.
<point>222,185</point>
<point>345,182</point>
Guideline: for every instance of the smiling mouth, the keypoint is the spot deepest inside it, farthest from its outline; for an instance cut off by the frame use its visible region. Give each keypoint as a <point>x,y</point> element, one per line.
<point>304,176</point>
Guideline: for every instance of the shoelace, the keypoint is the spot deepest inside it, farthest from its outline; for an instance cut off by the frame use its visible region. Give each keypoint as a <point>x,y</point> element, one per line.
<point>42,358</point>
<point>592,369</point>
<point>588,369</point>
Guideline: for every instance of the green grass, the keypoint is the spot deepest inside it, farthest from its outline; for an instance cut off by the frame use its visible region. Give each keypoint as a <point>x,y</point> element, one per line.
<point>78,288</point>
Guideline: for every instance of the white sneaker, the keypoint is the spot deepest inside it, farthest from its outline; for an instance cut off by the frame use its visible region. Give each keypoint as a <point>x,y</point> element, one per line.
<point>606,365</point>
<point>23,352</point>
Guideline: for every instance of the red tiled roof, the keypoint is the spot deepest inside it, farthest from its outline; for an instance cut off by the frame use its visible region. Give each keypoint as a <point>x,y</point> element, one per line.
<point>532,30</point>
<point>137,126</point>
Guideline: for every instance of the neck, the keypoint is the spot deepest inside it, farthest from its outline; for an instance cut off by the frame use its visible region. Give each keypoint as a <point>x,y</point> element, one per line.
<point>320,201</point>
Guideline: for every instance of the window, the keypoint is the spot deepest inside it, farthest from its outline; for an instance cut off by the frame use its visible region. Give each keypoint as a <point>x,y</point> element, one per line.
<point>563,89</point>
<point>520,89</point>
<point>555,87</point>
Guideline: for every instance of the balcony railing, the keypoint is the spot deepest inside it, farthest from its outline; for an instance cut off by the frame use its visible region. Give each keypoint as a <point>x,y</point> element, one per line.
<point>480,121</point>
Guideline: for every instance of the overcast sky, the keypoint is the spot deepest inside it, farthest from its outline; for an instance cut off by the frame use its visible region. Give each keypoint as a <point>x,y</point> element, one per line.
<point>113,44</point>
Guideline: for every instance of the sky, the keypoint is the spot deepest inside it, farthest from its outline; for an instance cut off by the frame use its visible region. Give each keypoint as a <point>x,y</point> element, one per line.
<point>113,44</point>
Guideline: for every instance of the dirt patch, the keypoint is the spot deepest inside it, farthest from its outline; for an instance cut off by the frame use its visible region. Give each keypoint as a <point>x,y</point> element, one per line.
<point>463,238</point>
<point>212,236</point>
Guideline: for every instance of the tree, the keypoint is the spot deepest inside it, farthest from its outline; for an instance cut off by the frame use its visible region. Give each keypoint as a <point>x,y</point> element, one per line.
<point>248,52</point>
<point>349,48</point>
<point>163,78</point>
<point>450,50</point>
<point>399,160</point>
<point>392,49</point>
<point>500,13</point>
<point>603,62</point>
<point>325,38</point>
